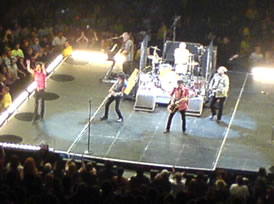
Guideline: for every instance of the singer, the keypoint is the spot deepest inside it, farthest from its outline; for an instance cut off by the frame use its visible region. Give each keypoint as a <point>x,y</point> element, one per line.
<point>39,74</point>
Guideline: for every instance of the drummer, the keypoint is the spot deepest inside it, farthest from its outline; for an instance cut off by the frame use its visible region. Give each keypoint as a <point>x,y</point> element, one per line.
<point>181,58</point>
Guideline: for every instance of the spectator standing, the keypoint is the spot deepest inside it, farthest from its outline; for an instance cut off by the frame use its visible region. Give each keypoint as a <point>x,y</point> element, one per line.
<point>238,191</point>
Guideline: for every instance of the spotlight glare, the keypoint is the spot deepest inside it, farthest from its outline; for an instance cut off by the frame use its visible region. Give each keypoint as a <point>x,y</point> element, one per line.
<point>89,56</point>
<point>3,117</point>
<point>120,58</point>
<point>264,74</point>
<point>17,102</point>
<point>31,87</point>
<point>54,63</point>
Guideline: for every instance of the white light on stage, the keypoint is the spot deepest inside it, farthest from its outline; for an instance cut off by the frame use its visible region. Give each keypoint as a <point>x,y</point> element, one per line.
<point>89,56</point>
<point>31,87</point>
<point>54,63</point>
<point>16,103</point>
<point>120,58</point>
<point>264,74</point>
<point>3,117</point>
<point>20,146</point>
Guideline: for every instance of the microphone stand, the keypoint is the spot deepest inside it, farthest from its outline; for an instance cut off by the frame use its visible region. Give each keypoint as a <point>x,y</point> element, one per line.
<point>174,26</point>
<point>89,117</point>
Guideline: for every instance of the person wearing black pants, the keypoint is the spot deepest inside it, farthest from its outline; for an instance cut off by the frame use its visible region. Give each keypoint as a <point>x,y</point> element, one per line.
<point>39,74</point>
<point>179,103</point>
<point>39,97</point>
<point>183,117</point>
<point>218,86</point>
<point>115,94</point>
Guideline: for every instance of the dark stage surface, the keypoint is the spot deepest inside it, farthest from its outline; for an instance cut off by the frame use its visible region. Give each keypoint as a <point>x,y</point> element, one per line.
<point>241,141</point>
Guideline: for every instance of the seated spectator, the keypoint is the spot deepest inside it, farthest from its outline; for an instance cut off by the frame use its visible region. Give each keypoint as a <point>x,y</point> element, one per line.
<point>82,41</point>
<point>17,52</point>
<point>59,41</point>
<point>25,46</point>
<point>6,99</point>
<point>8,39</point>
<point>68,49</point>
<point>30,55</point>
<point>14,69</point>
<point>8,78</point>
<point>36,45</point>
<point>21,65</point>
<point>6,58</point>
<point>238,191</point>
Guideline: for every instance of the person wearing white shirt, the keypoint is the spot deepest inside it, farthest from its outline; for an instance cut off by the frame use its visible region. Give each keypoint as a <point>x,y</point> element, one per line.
<point>219,87</point>
<point>59,41</point>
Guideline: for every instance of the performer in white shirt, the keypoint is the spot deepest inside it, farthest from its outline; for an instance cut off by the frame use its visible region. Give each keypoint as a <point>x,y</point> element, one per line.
<point>218,87</point>
<point>181,58</point>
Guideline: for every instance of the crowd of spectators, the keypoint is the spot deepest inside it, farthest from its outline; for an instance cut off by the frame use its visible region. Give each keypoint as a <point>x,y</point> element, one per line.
<point>36,30</point>
<point>44,178</point>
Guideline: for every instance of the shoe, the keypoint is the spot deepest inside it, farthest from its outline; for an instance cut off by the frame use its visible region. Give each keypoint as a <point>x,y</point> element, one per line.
<point>120,120</point>
<point>166,131</point>
<point>218,121</point>
<point>103,118</point>
<point>211,117</point>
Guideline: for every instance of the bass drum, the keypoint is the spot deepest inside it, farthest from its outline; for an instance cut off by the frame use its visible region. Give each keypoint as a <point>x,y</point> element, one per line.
<point>168,77</point>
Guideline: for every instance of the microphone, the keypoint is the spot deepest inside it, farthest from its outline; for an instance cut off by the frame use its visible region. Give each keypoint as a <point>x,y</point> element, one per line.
<point>90,99</point>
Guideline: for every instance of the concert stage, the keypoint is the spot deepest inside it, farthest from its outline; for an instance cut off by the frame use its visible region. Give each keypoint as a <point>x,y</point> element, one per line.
<point>242,140</point>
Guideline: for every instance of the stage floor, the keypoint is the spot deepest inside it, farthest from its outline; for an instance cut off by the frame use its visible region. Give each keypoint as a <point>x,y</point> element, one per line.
<point>241,141</point>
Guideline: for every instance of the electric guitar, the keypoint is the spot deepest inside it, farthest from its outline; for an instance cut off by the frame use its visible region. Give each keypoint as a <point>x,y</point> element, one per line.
<point>172,107</point>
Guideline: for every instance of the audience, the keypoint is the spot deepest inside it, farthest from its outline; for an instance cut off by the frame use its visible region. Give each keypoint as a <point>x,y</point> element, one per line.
<point>40,180</point>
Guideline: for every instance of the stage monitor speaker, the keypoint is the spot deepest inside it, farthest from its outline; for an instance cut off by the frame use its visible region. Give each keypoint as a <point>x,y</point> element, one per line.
<point>145,101</point>
<point>195,106</point>
<point>132,81</point>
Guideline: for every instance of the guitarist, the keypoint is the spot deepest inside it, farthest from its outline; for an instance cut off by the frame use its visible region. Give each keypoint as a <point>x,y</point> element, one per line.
<point>115,94</point>
<point>127,50</point>
<point>218,86</point>
<point>179,102</point>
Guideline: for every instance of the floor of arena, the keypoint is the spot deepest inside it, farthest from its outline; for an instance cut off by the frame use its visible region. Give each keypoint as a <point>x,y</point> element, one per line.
<point>243,140</point>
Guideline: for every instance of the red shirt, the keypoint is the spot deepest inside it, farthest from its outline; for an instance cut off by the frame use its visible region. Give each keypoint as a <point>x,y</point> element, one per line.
<point>181,93</point>
<point>40,79</point>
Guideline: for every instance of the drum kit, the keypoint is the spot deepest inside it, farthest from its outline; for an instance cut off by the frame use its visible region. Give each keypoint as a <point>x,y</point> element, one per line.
<point>165,76</point>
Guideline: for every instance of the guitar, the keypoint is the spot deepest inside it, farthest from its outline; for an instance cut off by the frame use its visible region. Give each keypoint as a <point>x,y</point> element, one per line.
<point>172,107</point>
<point>214,92</point>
